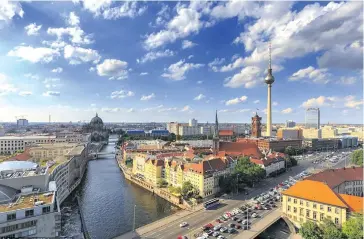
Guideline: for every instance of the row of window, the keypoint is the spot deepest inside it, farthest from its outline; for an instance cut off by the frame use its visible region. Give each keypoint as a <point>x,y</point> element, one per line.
<point>28,213</point>
<point>314,217</point>
<point>18,226</point>
<point>314,205</point>
<point>354,183</point>
<point>329,209</point>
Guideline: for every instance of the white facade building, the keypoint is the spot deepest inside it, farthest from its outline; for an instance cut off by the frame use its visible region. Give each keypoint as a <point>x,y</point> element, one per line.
<point>192,122</point>
<point>189,130</point>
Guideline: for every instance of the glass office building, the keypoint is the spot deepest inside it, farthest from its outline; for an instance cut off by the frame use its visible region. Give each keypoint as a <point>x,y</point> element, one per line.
<point>312,118</point>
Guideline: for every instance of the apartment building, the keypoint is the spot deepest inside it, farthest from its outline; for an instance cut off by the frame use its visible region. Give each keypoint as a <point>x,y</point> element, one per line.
<point>51,151</point>
<point>311,133</point>
<point>29,215</point>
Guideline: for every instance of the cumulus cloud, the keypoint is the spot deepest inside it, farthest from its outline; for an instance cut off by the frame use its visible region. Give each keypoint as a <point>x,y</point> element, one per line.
<point>31,76</point>
<point>115,69</point>
<point>256,101</point>
<point>147,97</point>
<point>316,75</point>
<point>351,102</point>
<point>287,111</point>
<point>199,82</point>
<point>78,55</point>
<point>178,70</point>
<point>25,93</point>
<point>32,29</point>
<point>347,80</point>
<point>216,62</point>
<point>247,77</point>
<point>55,44</point>
<point>73,19</point>
<point>236,100</point>
<point>188,44</point>
<point>51,82</point>
<point>34,55</point>
<point>199,97</point>
<point>8,10</point>
<point>318,102</point>
<point>57,70</point>
<point>5,85</point>
<point>121,94</point>
<point>144,73</point>
<point>51,93</point>
<point>186,108</point>
<point>153,55</point>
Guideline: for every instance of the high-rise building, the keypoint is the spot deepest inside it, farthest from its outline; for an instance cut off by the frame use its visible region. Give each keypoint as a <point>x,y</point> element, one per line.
<point>22,123</point>
<point>193,122</point>
<point>312,118</point>
<point>269,80</point>
<point>256,126</point>
<point>290,124</point>
<point>216,140</point>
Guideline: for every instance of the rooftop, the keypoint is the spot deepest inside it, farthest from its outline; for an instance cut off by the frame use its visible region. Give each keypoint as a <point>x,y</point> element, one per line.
<point>315,191</point>
<point>27,201</point>
<point>54,146</point>
<point>29,137</point>
<point>334,177</point>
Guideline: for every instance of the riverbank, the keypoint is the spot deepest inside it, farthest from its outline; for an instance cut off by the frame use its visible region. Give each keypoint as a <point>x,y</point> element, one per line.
<point>177,201</point>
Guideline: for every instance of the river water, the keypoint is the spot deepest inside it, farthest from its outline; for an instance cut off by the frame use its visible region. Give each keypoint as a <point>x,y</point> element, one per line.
<point>107,201</point>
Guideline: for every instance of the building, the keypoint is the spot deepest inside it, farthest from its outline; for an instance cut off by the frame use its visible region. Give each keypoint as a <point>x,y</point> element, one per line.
<point>173,127</point>
<point>311,133</point>
<point>226,134</point>
<point>312,119</point>
<point>348,141</point>
<point>184,130</point>
<point>290,124</point>
<point>192,122</point>
<point>256,126</point>
<point>333,194</point>
<point>289,133</point>
<point>276,145</point>
<point>22,123</point>
<point>328,132</point>
<point>135,132</point>
<point>207,130</point>
<point>153,170</point>
<point>2,131</point>
<point>271,163</point>
<point>29,214</point>
<point>158,132</point>
<point>269,80</point>
<point>321,144</point>
<point>50,151</point>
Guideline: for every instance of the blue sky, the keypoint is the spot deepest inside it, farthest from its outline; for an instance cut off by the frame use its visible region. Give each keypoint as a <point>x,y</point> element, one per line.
<point>171,61</point>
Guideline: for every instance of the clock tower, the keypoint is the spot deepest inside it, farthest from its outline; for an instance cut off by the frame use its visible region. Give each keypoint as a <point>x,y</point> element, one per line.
<point>256,126</point>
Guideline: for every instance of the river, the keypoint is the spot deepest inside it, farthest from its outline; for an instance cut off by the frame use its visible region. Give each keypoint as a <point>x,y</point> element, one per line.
<point>107,201</point>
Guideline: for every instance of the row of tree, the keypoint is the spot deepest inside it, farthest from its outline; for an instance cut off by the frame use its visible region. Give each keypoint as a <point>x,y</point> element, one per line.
<point>294,151</point>
<point>351,229</point>
<point>357,157</point>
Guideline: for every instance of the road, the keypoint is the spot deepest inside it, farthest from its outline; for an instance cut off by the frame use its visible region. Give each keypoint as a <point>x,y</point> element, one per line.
<point>202,217</point>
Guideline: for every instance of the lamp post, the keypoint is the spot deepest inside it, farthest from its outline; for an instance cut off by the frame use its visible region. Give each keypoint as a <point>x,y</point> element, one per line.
<point>134,219</point>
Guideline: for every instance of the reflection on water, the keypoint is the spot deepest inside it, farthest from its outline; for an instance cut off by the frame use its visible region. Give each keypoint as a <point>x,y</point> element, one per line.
<point>107,200</point>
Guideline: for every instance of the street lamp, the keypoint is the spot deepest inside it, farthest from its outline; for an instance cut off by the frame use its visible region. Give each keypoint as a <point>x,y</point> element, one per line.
<point>134,219</point>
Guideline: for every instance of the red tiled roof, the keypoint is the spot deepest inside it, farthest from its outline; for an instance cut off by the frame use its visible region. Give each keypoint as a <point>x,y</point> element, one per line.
<point>334,177</point>
<point>226,132</point>
<point>205,166</point>
<point>265,162</point>
<point>22,157</point>
<point>240,148</point>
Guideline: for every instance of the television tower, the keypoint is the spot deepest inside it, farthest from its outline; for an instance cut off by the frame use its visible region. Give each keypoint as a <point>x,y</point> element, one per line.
<point>269,80</point>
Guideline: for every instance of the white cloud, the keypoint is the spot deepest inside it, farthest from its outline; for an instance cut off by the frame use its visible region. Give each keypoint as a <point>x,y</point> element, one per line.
<point>177,70</point>
<point>347,80</point>
<point>96,6</point>
<point>247,77</point>
<point>351,102</point>
<point>75,34</point>
<point>51,93</point>
<point>32,29</point>
<point>51,82</point>
<point>316,75</point>
<point>199,82</point>
<point>127,9</point>
<point>275,103</point>
<point>25,93</point>
<point>188,44</point>
<point>121,94</point>
<point>115,69</point>
<point>153,55</point>
<point>216,62</point>
<point>318,102</point>
<point>34,55</point>
<point>57,70</point>
<point>144,73</point>
<point>55,44</point>
<point>190,56</point>
<point>78,55</point>
<point>8,10</point>
<point>73,19</point>
<point>31,76</point>
<point>256,101</point>
<point>186,108</point>
<point>199,97</point>
<point>287,111</point>
<point>91,69</point>
<point>130,110</point>
<point>5,86</point>
<point>236,100</point>
<point>147,97</point>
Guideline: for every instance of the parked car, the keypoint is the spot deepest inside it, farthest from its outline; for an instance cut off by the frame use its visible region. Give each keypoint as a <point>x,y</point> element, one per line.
<point>231,225</point>
<point>215,234</point>
<point>183,224</point>
<point>238,226</point>
<point>231,230</point>
<point>217,227</point>
<point>223,229</point>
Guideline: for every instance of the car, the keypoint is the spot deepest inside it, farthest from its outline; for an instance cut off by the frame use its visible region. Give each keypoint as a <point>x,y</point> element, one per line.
<point>244,222</point>
<point>223,229</point>
<point>221,237</point>
<point>210,232</point>
<point>217,227</point>
<point>231,225</point>
<point>235,218</point>
<point>207,227</point>
<point>182,237</point>
<point>183,224</point>
<point>231,230</point>
<point>239,220</point>
<point>238,226</point>
<point>215,234</point>
<point>254,215</point>
<point>218,220</point>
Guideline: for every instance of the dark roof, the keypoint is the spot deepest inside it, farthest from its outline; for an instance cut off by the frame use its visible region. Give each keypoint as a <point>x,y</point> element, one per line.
<point>6,193</point>
<point>334,177</point>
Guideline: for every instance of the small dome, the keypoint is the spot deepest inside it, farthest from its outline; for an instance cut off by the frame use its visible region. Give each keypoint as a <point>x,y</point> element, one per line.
<point>96,120</point>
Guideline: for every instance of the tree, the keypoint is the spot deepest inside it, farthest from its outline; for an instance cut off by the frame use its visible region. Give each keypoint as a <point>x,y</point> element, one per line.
<point>357,157</point>
<point>293,161</point>
<point>309,230</point>
<point>290,151</point>
<point>329,230</point>
<point>353,228</point>
<point>187,188</point>
<point>248,172</point>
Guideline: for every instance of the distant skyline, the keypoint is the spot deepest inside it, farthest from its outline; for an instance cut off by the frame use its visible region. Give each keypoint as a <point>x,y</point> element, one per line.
<point>172,61</point>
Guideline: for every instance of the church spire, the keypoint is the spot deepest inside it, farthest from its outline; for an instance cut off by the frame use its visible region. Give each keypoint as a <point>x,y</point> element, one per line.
<point>216,133</point>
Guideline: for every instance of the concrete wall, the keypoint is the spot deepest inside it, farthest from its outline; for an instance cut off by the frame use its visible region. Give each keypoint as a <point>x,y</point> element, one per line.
<point>39,181</point>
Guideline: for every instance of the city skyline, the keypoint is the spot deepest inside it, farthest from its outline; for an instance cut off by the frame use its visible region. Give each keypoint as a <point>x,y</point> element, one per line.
<point>161,62</point>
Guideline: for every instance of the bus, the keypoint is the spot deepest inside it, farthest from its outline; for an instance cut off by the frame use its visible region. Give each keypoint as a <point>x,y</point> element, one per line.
<point>211,203</point>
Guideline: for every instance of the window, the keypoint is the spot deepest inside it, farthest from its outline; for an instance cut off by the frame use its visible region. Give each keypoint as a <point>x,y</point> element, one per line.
<point>46,209</point>
<point>294,209</point>
<point>337,210</point>
<point>307,213</point>
<point>294,201</point>
<point>11,217</point>
<point>314,215</point>
<point>336,220</point>
<point>315,205</point>
<point>321,207</point>
<point>301,202</point>
<point>321,216</point>
<point>301,219</point>
<point>29,213</point>
<point>307,204</point>
<point>289,199</point>
<point>289,208</point>
<point>329,209</point>
<point>301,211</point>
